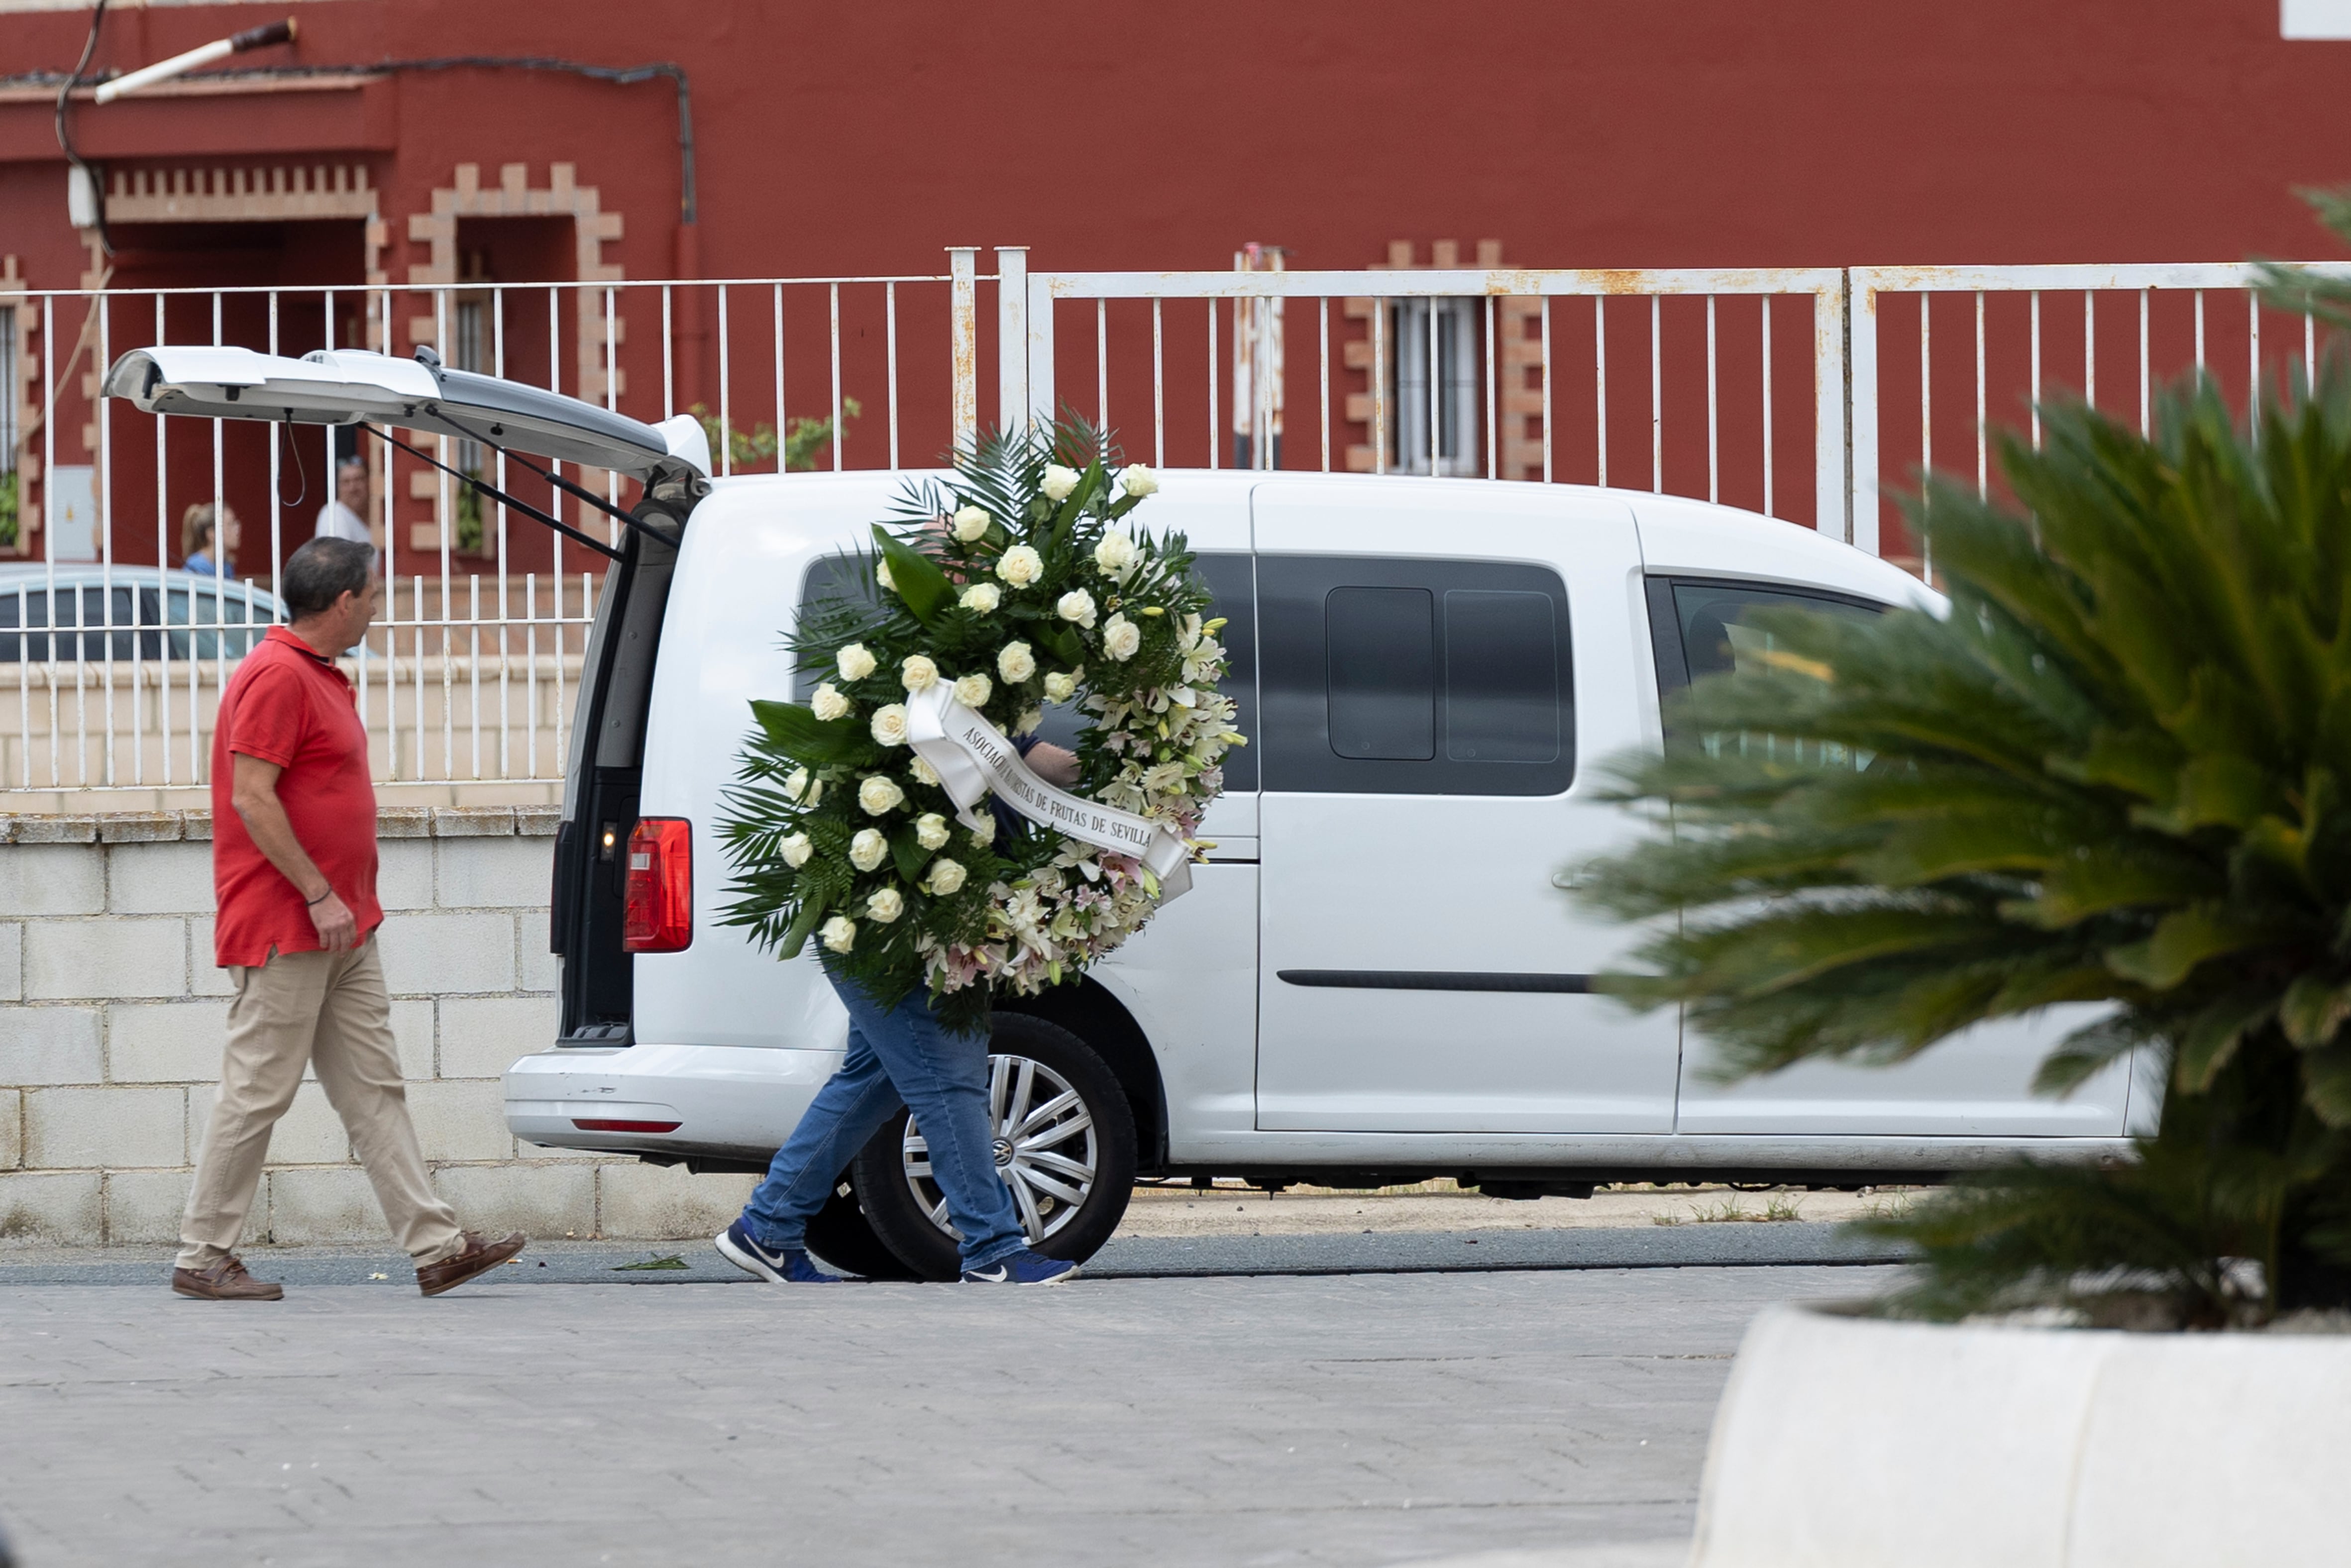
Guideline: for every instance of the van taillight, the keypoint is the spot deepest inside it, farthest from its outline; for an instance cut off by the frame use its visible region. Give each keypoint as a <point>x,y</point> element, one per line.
<point>659,918</point>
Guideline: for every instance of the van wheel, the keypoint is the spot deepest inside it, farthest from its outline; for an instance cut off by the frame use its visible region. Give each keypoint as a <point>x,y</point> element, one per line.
<point>842,1235</point>
<point>1065,1145</point>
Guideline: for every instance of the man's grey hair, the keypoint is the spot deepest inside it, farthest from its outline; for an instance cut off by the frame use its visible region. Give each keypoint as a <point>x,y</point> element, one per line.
<point>324,571</point>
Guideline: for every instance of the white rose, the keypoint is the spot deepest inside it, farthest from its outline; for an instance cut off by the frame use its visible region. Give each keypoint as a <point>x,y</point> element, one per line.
<point>797,850</point>
<point>839,933</point>
<point>970,522</point>
<point>855,662</point>
<point>1120,637</point>
<point>918,674</point>
<point>878,795</point>
<point>798,785</point>
<point>1059,482</point>
<point>1116,554</point>
<point>868,849</point>
<point>946,877</point>
<point>1138,481</point>
<point>931,831</point>
<point>981,598</point>
<point>1027,722</point>
<point>973,691</point>
<point>1061,688</point>
<point>1077,605</point>
<point>881,575</point>
<point>924,772</point>
<point>1020,566</point>
<point>985,832</point>
<point>1016,664</point>
<point>889,726</point>
<point>828,704</point>
<point>885,904</point>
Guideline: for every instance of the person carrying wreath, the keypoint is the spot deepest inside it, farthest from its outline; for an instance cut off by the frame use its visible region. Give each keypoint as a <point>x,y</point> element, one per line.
<point>897,1056</point>
<point>294,867</point>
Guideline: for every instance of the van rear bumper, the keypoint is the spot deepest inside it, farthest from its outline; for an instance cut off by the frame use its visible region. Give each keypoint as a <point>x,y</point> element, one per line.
<point>736,1102</point>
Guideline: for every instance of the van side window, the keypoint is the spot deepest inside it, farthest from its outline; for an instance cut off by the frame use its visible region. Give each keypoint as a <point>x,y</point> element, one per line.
<point>1229,577</point>
<point>1415,677</point>
<point>1699,626</point>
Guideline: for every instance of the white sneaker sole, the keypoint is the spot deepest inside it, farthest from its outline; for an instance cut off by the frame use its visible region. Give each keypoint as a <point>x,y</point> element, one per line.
<point>1057,1280</point>
<point>747,1261</point>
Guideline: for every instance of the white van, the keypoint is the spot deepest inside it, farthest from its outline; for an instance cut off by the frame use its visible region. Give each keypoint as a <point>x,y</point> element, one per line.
<point>1379,976</point>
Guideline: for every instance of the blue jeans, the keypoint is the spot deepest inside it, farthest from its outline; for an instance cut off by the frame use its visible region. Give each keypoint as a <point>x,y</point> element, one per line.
<point>901,1056</point>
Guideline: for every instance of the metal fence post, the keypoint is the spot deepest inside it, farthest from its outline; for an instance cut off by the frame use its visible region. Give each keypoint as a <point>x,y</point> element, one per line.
<point>1011,336</point>
<point>1040,351</point>
<point>1861,294</point>
<point>963,335</point>
<point>1831,405</point>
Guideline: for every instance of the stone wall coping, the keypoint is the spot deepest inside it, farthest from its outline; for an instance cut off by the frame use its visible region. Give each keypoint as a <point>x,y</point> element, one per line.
<point>169,827</point>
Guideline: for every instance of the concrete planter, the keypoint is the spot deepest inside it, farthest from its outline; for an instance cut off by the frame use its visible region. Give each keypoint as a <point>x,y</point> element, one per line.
<point>1848,1442</point>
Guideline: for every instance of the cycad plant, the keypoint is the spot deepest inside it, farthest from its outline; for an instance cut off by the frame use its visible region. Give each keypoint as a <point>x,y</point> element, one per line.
<point>2118,771</point>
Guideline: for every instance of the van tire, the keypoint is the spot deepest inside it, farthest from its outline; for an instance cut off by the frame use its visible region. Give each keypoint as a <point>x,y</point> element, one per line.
<point>887,1197</point>
<point>840,1234</point>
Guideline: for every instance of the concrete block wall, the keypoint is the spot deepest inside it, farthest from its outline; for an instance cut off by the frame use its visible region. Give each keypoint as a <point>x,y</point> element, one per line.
<point>112,1016</point>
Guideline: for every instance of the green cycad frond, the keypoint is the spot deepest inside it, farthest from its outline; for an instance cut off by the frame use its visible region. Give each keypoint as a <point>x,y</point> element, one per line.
<point>2114,771</point>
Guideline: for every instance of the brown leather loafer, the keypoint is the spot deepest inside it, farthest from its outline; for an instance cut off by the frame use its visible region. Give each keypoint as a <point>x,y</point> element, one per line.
<point>478,1257</point>
<point>226,1281</point>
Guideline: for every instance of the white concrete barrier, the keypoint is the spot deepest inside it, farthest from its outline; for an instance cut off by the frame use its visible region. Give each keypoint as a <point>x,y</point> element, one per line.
<point>1846,1442</point>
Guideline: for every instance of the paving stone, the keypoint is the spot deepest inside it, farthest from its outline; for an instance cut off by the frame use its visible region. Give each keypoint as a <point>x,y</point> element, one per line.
<point>165,1043</point>
<point>56,830</point>
<point>1314,1423</point>
<point>117,957</point>
<point>51,1045</point>
<point>51,878</point>
<point>539,821</point>
<point>403,823</point>
<point>61,1209</point>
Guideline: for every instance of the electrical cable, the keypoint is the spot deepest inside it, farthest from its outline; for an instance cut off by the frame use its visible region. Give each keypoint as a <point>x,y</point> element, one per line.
<point>65,142</point>
<point>689,203</point>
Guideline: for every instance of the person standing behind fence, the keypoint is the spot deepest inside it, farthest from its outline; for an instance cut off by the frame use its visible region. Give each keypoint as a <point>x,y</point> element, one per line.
<point>293,868</point>
<point>208,540</point>
<point>345,517</point>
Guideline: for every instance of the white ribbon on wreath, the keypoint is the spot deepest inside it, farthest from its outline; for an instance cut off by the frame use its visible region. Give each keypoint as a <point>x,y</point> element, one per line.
<point>972,757</point>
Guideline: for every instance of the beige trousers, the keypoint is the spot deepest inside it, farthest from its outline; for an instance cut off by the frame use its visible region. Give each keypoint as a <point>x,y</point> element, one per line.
<point>330,1009</point>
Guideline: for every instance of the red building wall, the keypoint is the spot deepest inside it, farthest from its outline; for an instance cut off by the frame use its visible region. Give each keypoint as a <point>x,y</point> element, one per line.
<point>862,139</point>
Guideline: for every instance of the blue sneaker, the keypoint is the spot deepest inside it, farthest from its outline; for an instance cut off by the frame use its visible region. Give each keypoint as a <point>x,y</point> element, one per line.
<point>788,1266</point>
<point>1023,1268</point>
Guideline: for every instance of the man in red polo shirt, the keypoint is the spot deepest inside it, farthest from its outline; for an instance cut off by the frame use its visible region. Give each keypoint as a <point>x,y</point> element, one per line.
<point>294,867</point>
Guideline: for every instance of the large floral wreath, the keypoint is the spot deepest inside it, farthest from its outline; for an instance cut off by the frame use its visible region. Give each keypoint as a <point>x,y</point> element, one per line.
<point>1015,584</point>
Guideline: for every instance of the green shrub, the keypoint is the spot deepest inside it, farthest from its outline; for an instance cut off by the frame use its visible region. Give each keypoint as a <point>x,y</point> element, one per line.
<point>2118,771</point>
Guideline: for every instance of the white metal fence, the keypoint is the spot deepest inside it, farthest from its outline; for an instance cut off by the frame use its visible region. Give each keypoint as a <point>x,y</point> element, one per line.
<point>1810,394</point>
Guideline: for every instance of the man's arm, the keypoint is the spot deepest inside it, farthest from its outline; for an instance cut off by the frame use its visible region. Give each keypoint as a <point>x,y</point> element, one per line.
<point>253,791</point>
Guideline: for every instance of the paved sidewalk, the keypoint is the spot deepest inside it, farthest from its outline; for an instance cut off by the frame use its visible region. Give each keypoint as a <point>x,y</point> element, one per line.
<point>1360,1419</point>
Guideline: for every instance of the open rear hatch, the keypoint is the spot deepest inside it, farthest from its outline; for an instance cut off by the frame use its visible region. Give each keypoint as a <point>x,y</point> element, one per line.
<point>670,462</point>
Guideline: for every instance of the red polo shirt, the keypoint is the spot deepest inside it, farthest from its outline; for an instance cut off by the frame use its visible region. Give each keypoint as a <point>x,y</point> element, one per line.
<point>286,705</point>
